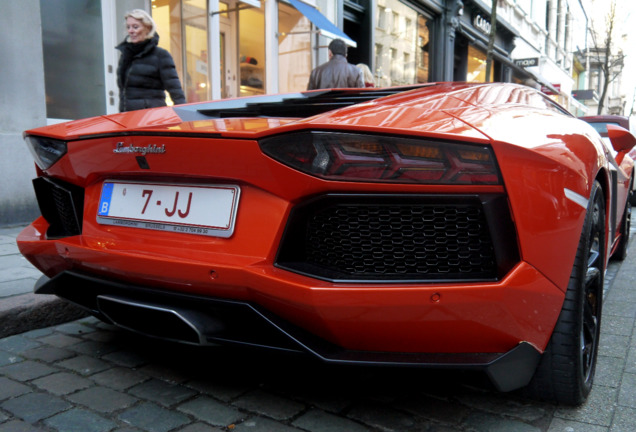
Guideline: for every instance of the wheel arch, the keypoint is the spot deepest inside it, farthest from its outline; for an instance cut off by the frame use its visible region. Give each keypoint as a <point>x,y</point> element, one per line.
<point>604,178</point>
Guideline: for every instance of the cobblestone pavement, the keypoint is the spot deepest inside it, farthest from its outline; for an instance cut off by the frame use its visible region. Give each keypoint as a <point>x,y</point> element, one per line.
<point>86,376</point>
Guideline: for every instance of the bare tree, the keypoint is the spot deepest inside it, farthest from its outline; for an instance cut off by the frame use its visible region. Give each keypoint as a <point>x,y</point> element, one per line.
<point>610,64</point>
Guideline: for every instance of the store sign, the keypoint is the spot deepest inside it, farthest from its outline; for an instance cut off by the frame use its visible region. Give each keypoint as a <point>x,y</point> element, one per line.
<point>481,24</point>
<point>527,62</point>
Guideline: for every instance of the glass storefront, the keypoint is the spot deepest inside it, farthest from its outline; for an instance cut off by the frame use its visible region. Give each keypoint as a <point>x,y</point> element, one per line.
<point>195,27</point>
<point>183,31</point>
<point>225,58</point>
<point>477,66</point>
<point>239,45</point>
<point>251,49</point>
<point>227,53</point>
<point>294,49</point>
<point>245,53</point>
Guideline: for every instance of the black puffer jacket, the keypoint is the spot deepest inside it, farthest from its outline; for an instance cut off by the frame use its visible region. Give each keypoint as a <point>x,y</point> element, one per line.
<point>144,72</point>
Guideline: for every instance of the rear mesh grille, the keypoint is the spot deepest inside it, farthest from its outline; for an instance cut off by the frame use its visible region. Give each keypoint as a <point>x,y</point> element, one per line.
<point>409,240</point>
<point>61,204</point>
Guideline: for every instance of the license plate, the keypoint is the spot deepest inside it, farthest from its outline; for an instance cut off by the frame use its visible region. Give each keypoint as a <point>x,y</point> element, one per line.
<point>205,210</point>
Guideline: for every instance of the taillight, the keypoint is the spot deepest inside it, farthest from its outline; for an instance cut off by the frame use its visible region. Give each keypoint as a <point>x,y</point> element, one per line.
<point>355,157</point>
<point>45,151</point>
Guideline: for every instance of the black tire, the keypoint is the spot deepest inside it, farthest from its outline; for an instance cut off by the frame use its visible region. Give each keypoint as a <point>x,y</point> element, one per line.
<point>566,370</point>
<point>621,250</point>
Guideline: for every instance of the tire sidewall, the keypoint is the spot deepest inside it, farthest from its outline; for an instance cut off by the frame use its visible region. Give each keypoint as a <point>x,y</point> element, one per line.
<point>577,291</point>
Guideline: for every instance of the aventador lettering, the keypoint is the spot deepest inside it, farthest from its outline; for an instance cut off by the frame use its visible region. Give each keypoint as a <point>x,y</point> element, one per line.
<point>149,149</point>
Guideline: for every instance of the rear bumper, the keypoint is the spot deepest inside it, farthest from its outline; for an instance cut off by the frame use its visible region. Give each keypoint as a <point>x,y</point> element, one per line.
<point>477,317</point>
<point>202,321</point>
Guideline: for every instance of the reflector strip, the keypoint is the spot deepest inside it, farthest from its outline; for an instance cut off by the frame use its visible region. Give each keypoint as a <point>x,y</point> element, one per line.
<point>576,198</point>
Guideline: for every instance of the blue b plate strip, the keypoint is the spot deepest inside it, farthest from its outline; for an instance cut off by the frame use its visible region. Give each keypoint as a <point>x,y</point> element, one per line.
<point>104,201</point>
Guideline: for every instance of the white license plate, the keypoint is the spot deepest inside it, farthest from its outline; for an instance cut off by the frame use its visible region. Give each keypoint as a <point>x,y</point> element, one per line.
<point>205,210</point>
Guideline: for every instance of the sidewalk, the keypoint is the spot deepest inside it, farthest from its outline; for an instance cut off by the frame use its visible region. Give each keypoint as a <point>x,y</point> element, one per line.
<point>20,309</point>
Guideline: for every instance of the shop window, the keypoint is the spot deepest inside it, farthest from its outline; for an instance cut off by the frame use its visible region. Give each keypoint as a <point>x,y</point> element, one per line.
<point>167,16</point>
<point>195,26</point>
<point>422,49</point>
<point>252,50</point>
<point>73,70</point>
<point>294,49</point>
<point>183,31</point>
<point>476,71</point>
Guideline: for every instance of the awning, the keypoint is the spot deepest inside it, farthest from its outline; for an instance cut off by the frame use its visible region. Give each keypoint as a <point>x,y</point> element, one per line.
<point>326,27</point>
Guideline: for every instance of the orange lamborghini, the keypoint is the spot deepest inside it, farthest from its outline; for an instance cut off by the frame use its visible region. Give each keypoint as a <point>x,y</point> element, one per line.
<point>444,225</point>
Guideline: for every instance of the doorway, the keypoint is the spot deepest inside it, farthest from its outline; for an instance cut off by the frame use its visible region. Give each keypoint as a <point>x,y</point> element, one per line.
<point>227,49</point>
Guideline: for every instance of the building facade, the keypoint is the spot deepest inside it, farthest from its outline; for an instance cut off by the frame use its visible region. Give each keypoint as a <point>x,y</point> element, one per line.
<point>233,48</point>
<point>550,31</point>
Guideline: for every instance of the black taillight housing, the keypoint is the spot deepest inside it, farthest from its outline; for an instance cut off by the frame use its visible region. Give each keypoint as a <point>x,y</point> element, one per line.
<point>380,158</point>
<point>45,151</point>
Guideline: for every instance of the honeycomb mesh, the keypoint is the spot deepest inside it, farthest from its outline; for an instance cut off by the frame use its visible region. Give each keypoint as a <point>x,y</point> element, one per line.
<point>401,241</point>
<point>61,204</point>
<point>65,209</point>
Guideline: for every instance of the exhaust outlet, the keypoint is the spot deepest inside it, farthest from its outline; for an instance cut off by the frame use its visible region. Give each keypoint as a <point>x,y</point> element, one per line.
<point>159,321</point>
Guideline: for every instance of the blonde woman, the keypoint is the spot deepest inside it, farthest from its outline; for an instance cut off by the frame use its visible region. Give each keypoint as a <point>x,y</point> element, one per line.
<point>366,75</point>
<point>145,70</point>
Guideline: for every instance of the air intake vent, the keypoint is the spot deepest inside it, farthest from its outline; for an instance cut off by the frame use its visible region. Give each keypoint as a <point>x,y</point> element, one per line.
<point>61,204</point>
<point>382,238</point>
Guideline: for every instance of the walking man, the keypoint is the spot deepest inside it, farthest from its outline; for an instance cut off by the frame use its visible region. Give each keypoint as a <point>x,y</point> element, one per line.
<point>337,72</point>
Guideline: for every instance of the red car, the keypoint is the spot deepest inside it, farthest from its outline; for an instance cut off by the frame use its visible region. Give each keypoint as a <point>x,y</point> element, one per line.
<point>600,122</point>
<point>447,225</point>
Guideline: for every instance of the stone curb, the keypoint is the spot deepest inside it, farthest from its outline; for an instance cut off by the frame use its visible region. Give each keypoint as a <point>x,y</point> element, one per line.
<point>22,313</point>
